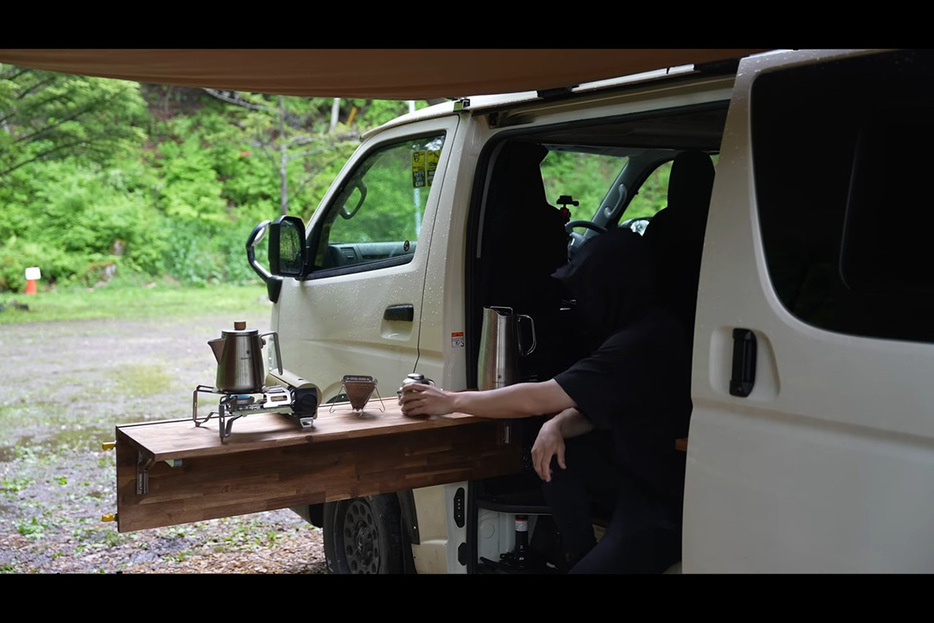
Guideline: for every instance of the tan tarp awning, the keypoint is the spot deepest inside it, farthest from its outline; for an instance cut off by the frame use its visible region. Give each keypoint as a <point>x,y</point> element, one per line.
<point>365,73</point>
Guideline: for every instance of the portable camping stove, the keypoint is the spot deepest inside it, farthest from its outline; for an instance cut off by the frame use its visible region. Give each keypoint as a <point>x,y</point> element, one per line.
<point>295,398</point>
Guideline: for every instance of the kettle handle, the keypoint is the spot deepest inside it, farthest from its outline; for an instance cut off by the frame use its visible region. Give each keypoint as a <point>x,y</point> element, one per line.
<point>532,328</point>
<point>275,344</point>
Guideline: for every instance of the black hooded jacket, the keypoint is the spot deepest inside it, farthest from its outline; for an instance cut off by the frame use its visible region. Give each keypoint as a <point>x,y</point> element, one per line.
<point>636,380</point>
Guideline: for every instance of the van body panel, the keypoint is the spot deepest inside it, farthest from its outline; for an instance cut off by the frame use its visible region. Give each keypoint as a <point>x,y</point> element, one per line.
<point>825,465</point>
<point>433,554</point>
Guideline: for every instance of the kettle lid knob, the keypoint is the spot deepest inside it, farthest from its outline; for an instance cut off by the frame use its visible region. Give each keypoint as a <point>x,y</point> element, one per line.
<point>239,325</point>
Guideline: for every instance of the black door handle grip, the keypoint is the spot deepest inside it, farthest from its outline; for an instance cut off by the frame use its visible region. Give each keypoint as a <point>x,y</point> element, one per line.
<point>400,313</point>
<point>744,362</point>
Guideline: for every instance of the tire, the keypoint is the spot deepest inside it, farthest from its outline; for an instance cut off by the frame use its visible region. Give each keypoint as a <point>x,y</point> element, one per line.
<point>364,536</point>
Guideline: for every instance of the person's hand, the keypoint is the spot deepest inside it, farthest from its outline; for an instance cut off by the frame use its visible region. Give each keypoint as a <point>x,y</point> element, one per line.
<point>420,399</point>
<point>548,444</point>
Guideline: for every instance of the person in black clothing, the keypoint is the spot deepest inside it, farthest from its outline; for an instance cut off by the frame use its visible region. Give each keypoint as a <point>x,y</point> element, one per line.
<point>635,384</point>
<point>613,416</point>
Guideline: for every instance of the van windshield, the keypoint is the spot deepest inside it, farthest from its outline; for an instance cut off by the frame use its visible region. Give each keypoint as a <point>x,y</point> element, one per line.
<point>585,177</point>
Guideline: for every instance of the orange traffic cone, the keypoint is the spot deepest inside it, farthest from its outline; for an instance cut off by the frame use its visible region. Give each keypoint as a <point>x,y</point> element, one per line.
<point>31,286</point>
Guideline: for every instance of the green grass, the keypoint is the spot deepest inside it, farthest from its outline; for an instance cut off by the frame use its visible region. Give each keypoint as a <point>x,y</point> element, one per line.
<point>32,528</point>
<point>130,301</point>
<point>144,380</point>
<point>14,485</point>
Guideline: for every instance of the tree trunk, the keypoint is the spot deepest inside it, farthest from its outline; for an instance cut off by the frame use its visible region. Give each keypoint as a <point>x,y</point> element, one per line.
<point>283,160</point>
<point>335,113</point>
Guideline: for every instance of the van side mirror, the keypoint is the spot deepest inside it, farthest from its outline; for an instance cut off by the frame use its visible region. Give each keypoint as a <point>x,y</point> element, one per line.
<point>286,252</point>
<point>273,283</point>
<point>287,247</point>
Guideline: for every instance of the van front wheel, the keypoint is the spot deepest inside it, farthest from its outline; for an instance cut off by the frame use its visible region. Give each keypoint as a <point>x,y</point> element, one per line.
<point>364,535</point>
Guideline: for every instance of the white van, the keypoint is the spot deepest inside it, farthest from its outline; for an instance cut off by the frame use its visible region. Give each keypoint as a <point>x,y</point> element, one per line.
<point>811,445</point>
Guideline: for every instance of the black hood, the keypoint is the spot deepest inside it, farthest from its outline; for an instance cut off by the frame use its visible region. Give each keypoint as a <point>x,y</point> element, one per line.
<point>612,279</point>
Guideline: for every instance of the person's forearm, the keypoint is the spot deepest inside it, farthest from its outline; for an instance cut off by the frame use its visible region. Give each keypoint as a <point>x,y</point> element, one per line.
<point>572,423</point>
<point>514,401</point>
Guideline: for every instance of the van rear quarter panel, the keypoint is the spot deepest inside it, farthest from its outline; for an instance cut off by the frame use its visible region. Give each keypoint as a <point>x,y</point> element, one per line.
<point>828,465</point>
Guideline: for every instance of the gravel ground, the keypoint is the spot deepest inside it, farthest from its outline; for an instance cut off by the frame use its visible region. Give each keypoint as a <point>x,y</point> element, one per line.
<point>65,386</point>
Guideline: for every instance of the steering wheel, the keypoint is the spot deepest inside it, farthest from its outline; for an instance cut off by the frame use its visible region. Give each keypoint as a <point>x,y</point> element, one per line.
<point>577,239</point>
<point>569,227</point>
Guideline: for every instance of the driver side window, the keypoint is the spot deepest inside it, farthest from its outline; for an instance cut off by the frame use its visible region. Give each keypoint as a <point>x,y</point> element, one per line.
<point>376,216</point>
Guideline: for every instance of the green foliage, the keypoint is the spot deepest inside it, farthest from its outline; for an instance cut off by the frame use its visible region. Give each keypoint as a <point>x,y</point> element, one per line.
<point>653,194</point>
<point>390,209</point>
<point>190,189</point>
<point>108,181</point>
<point>87,198</point>
<point>48,116</point>
<point>205,254</point>
<point>31,528</point>
<point>373,113</point>
<point>78,223</point>
<point>586,177</point>
<point>14,485</point>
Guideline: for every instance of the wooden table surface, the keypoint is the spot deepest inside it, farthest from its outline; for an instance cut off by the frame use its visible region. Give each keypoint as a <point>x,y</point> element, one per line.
<point>173,472</point>
<point>180,439</point>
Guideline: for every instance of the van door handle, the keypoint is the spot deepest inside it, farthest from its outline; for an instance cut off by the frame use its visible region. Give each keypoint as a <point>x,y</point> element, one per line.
<point>744,362</point>
<point>400,313</point>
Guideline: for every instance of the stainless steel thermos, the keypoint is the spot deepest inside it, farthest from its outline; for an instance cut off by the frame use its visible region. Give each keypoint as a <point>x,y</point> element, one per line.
<point>501,347</point>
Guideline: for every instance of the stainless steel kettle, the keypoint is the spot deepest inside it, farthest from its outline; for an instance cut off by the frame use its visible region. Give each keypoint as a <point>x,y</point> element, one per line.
<point>501,348</point>
<point>239,354</point>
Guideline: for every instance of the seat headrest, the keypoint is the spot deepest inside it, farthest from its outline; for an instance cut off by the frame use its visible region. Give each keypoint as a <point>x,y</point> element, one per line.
<point>690,184</point>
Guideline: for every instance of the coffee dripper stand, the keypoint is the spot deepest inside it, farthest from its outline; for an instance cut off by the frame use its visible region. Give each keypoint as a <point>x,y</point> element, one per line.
<point>359,389</point>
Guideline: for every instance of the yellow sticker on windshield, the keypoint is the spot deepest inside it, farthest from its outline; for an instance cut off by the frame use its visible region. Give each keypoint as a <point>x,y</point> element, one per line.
<point>424,165</point>
<point>431,163</point>
<point>419,169</point>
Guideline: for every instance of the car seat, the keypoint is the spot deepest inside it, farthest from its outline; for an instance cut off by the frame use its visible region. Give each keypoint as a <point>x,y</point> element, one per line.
<point>676,234</point>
